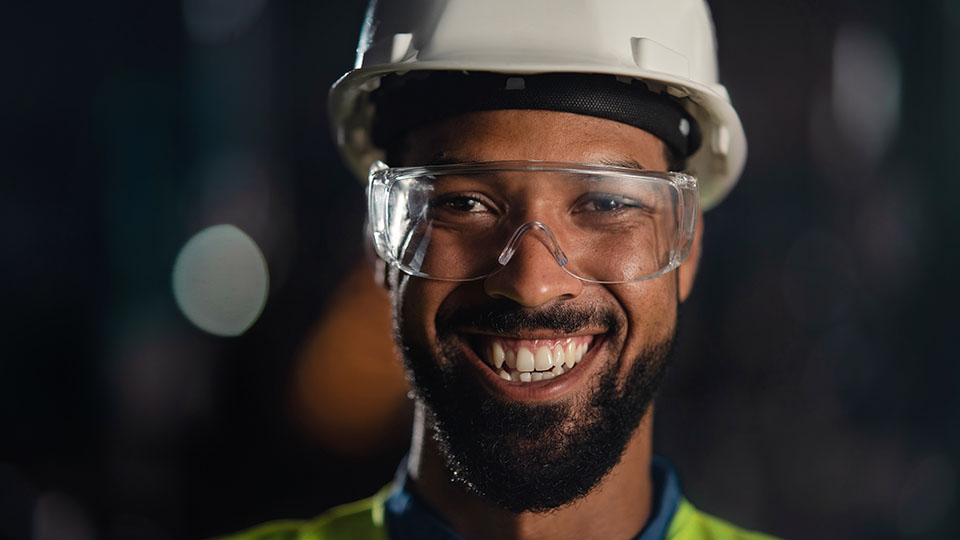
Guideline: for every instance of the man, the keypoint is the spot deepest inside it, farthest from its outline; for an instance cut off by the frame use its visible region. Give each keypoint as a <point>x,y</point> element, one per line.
<point>536,253</point>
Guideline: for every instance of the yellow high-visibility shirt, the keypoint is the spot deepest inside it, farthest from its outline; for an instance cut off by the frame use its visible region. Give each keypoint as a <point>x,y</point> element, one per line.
<point>364,520</point>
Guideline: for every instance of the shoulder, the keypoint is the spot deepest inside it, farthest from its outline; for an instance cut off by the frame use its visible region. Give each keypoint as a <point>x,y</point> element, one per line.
<point>361,520</point>
<point>691,524</point>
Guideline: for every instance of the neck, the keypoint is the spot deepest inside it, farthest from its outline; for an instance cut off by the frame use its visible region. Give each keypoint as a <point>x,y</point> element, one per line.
<point>617,508</point>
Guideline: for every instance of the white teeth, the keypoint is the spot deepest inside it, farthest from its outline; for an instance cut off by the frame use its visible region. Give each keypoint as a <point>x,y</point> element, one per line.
<point>525,365</point>
<point>524,359</point>
<point>571,355</point>
<point>543,361</point>
<point>498,355</point>
<point>511,360</point>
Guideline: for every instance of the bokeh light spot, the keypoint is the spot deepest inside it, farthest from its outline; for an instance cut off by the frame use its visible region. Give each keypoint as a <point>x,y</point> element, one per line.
<point>866,89</point>
<point>220,280</point>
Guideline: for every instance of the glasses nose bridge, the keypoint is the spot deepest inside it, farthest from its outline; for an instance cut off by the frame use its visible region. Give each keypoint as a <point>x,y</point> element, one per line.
<point>542,233</point>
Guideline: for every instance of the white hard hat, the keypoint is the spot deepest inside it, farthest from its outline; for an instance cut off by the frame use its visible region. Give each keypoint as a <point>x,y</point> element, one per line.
<point>669,44</point>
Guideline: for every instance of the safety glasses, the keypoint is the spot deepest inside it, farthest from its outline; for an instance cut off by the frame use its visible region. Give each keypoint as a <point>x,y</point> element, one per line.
<point>466,221</point>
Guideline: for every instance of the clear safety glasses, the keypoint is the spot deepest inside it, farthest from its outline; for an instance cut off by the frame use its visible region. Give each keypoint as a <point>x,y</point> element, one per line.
<point>466,221</point>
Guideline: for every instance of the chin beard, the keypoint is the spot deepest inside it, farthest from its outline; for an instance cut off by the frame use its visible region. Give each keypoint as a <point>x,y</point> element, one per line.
<point>533,458</point>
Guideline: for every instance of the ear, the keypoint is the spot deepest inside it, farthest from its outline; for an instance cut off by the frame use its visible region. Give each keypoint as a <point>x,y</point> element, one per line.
<point>688,270</point>
<point>380,273</point>
<point>376,265</point>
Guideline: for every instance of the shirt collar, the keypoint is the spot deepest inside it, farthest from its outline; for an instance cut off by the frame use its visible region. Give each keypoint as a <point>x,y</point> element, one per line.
<point>409,517</point>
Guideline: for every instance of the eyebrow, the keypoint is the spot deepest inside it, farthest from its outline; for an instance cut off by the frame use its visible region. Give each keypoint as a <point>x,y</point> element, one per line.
<point>622,163</point>
<point>443,158</point>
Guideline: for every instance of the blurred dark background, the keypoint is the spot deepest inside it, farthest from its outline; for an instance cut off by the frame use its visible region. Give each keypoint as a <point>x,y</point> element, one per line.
<point>815,390</point>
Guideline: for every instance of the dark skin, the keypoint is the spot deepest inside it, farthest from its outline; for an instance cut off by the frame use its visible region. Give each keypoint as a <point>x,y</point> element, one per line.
<point>620,505</point>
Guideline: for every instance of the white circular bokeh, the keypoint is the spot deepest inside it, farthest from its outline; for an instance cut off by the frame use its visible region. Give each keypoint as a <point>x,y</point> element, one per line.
<point>220,280</point>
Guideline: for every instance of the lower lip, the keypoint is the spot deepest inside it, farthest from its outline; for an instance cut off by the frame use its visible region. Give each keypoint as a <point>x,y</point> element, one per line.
<point>544,390</point>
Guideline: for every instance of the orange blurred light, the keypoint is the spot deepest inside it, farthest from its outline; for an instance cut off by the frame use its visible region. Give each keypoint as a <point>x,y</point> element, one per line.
<point>349,389</point>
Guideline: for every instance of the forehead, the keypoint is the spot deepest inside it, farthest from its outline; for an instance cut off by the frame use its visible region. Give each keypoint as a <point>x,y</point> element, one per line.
<point>528,134</point>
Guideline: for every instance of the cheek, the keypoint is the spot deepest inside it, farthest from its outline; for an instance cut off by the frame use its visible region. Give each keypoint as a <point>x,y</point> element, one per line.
<point>651,309</point>
<point>415,303</point>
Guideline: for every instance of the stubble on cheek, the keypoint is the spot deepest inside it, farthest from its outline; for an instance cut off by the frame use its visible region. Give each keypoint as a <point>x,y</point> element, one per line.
<point>651,316</point>
<point>415,302</point>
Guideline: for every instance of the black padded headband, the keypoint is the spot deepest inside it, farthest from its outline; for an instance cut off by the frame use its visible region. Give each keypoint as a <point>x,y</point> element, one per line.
<point>416,98</point>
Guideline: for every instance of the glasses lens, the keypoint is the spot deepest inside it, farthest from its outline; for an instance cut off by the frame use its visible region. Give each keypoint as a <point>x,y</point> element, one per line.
<point>455,224</point>
<point>621,228</point>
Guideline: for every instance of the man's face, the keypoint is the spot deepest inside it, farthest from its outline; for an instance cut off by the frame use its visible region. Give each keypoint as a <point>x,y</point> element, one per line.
<point>535,445</point>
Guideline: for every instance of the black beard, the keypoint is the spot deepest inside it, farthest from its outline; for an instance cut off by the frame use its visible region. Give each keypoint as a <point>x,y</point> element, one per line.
<point>531,457</point>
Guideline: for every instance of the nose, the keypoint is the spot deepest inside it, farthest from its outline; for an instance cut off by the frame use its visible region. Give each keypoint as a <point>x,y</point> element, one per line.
<point>532,274</point>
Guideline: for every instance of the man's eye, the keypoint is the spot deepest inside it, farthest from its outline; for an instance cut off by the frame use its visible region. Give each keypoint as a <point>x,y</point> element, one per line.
<point>608,203</point>
<point>462,204</point>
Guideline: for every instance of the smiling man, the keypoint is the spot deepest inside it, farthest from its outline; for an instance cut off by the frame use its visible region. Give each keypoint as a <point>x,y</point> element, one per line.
<point>534,348</point>
<point>536,171</point>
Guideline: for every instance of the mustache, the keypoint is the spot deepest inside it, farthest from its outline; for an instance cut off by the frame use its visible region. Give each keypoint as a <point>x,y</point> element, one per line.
<point>508,318</point>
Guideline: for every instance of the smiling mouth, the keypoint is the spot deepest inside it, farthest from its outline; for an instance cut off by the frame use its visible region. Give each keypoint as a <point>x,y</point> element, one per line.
<point>531,360</point>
